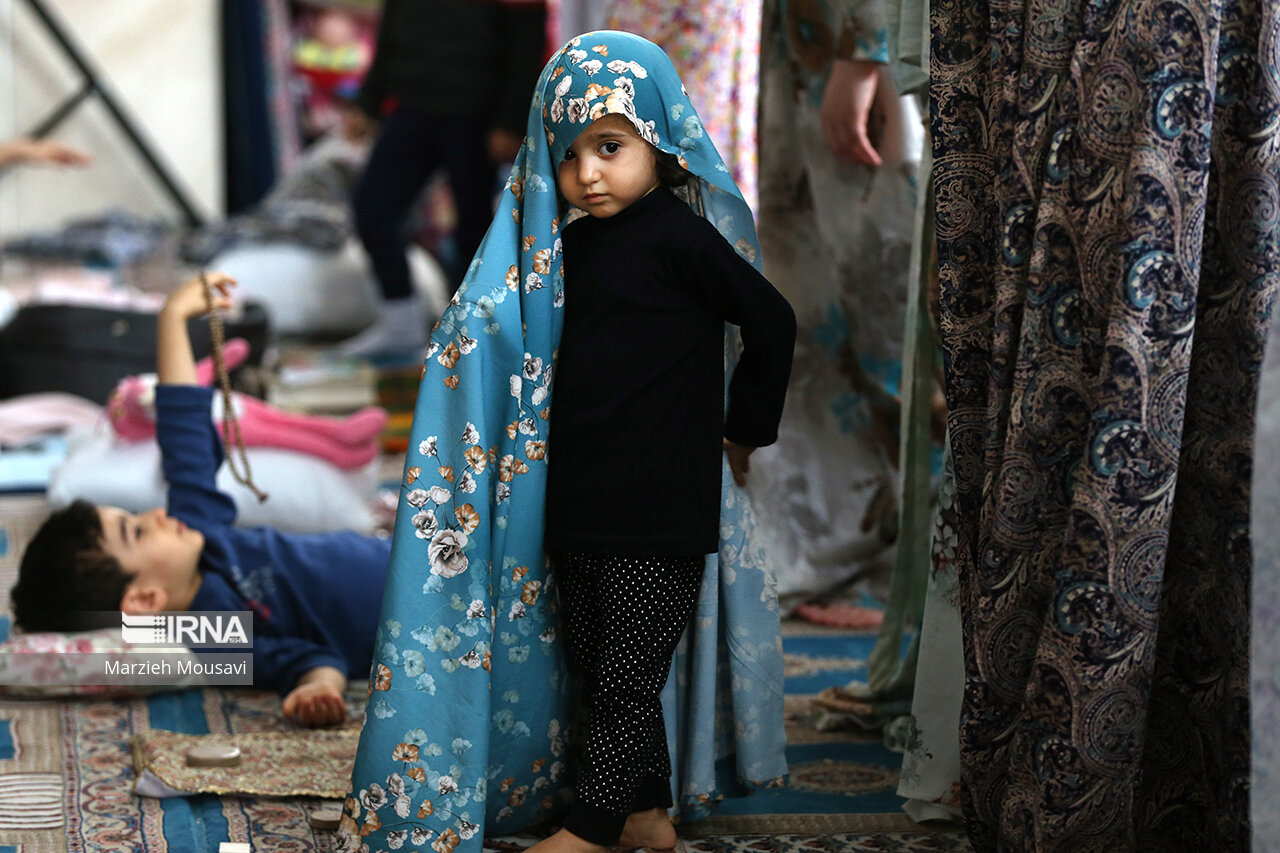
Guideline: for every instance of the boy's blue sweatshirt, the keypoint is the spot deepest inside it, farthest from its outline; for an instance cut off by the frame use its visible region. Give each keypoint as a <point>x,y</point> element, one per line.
<point>316,598</point>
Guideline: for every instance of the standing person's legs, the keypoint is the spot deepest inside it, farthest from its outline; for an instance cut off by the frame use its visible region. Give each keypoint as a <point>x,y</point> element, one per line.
<point>642,607</point>
<point>473,179</point>
<point>401,161</point>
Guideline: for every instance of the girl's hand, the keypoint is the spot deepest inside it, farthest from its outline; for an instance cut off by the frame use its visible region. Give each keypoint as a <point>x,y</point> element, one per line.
<point>846,110</point>
<point>188,300</point>
<point>739,461</point>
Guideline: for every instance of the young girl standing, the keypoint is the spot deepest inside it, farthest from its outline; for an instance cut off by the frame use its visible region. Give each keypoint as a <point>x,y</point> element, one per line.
<point>620,250</point>
<point>637,435</point>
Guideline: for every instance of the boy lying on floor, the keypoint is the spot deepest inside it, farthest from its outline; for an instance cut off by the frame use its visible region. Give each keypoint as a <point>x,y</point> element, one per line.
<point>315,597</point>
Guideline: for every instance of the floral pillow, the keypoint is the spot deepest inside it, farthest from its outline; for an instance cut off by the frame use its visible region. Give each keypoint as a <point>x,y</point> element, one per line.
<point>55,666</point>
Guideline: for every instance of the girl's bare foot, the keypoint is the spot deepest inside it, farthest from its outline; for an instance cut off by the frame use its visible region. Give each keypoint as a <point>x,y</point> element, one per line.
<point>565,841</point>
<point>649,829</point>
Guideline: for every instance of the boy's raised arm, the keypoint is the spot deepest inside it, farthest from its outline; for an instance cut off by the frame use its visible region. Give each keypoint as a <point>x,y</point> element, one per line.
<point>190,448</point>
<point>175,363</point>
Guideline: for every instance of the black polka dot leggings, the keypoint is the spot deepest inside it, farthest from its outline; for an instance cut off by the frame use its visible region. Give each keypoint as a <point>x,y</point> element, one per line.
<point>623,617</point>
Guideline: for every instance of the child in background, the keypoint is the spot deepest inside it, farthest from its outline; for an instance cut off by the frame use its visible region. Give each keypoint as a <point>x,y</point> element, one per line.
<point>315,597</point>
<point>330,59</point>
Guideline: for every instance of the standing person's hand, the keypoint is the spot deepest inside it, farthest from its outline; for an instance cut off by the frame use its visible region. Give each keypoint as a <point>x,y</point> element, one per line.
<point>503,146</point>
<point>41,152</point>
<point>739,460</point>
<point>846,110</point>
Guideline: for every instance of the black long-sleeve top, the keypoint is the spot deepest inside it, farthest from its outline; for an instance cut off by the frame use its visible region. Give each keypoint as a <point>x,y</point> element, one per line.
<point>470,58</point>
<point>637,416</point>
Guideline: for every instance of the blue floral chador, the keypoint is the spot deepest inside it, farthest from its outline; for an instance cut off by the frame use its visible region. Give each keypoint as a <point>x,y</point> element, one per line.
<point>470,703</point>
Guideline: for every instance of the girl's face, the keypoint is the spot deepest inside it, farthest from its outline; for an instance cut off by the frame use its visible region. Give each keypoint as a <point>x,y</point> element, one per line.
<point>607,168</point>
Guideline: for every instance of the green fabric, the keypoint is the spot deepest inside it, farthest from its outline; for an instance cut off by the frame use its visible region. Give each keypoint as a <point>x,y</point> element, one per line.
<point>890,675</point>
<point>908,22</point>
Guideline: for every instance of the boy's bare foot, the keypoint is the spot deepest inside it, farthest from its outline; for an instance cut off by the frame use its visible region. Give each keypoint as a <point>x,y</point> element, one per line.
<point>649,829</point>
<point>565,841</point>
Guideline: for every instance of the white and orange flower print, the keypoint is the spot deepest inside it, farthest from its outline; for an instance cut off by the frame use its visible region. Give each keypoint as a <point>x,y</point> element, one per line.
<point>532,367</point>
<point>446,553</point>
<point>449,358</point>
<point>506,468</point>
<point>578,110</point>
<point>468,518</point>
<point>446,843</point>
<point>425,524</point>
<point>475,456</point>
<point>542,261</point>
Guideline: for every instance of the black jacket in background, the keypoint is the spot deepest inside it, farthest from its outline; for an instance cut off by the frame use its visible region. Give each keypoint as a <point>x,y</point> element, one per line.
<point>473,58</point>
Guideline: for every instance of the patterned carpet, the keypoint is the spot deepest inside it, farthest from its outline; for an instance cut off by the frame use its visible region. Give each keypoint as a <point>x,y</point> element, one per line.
<point>66,779</point>
<point>842,792</point>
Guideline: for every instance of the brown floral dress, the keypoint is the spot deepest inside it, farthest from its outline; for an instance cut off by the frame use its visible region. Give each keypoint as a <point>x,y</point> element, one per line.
<point>1107,213</point>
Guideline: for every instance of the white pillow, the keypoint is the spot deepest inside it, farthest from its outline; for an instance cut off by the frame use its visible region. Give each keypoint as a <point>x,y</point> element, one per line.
<point>307,291</point>
<point>306,494</point>
<point>54,665</point>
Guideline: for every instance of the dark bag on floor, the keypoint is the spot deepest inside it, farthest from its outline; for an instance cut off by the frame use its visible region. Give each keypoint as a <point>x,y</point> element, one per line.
<point>85,350</point>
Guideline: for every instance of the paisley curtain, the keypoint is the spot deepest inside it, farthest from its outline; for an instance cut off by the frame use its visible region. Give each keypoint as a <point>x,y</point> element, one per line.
<point>1107,204</point>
